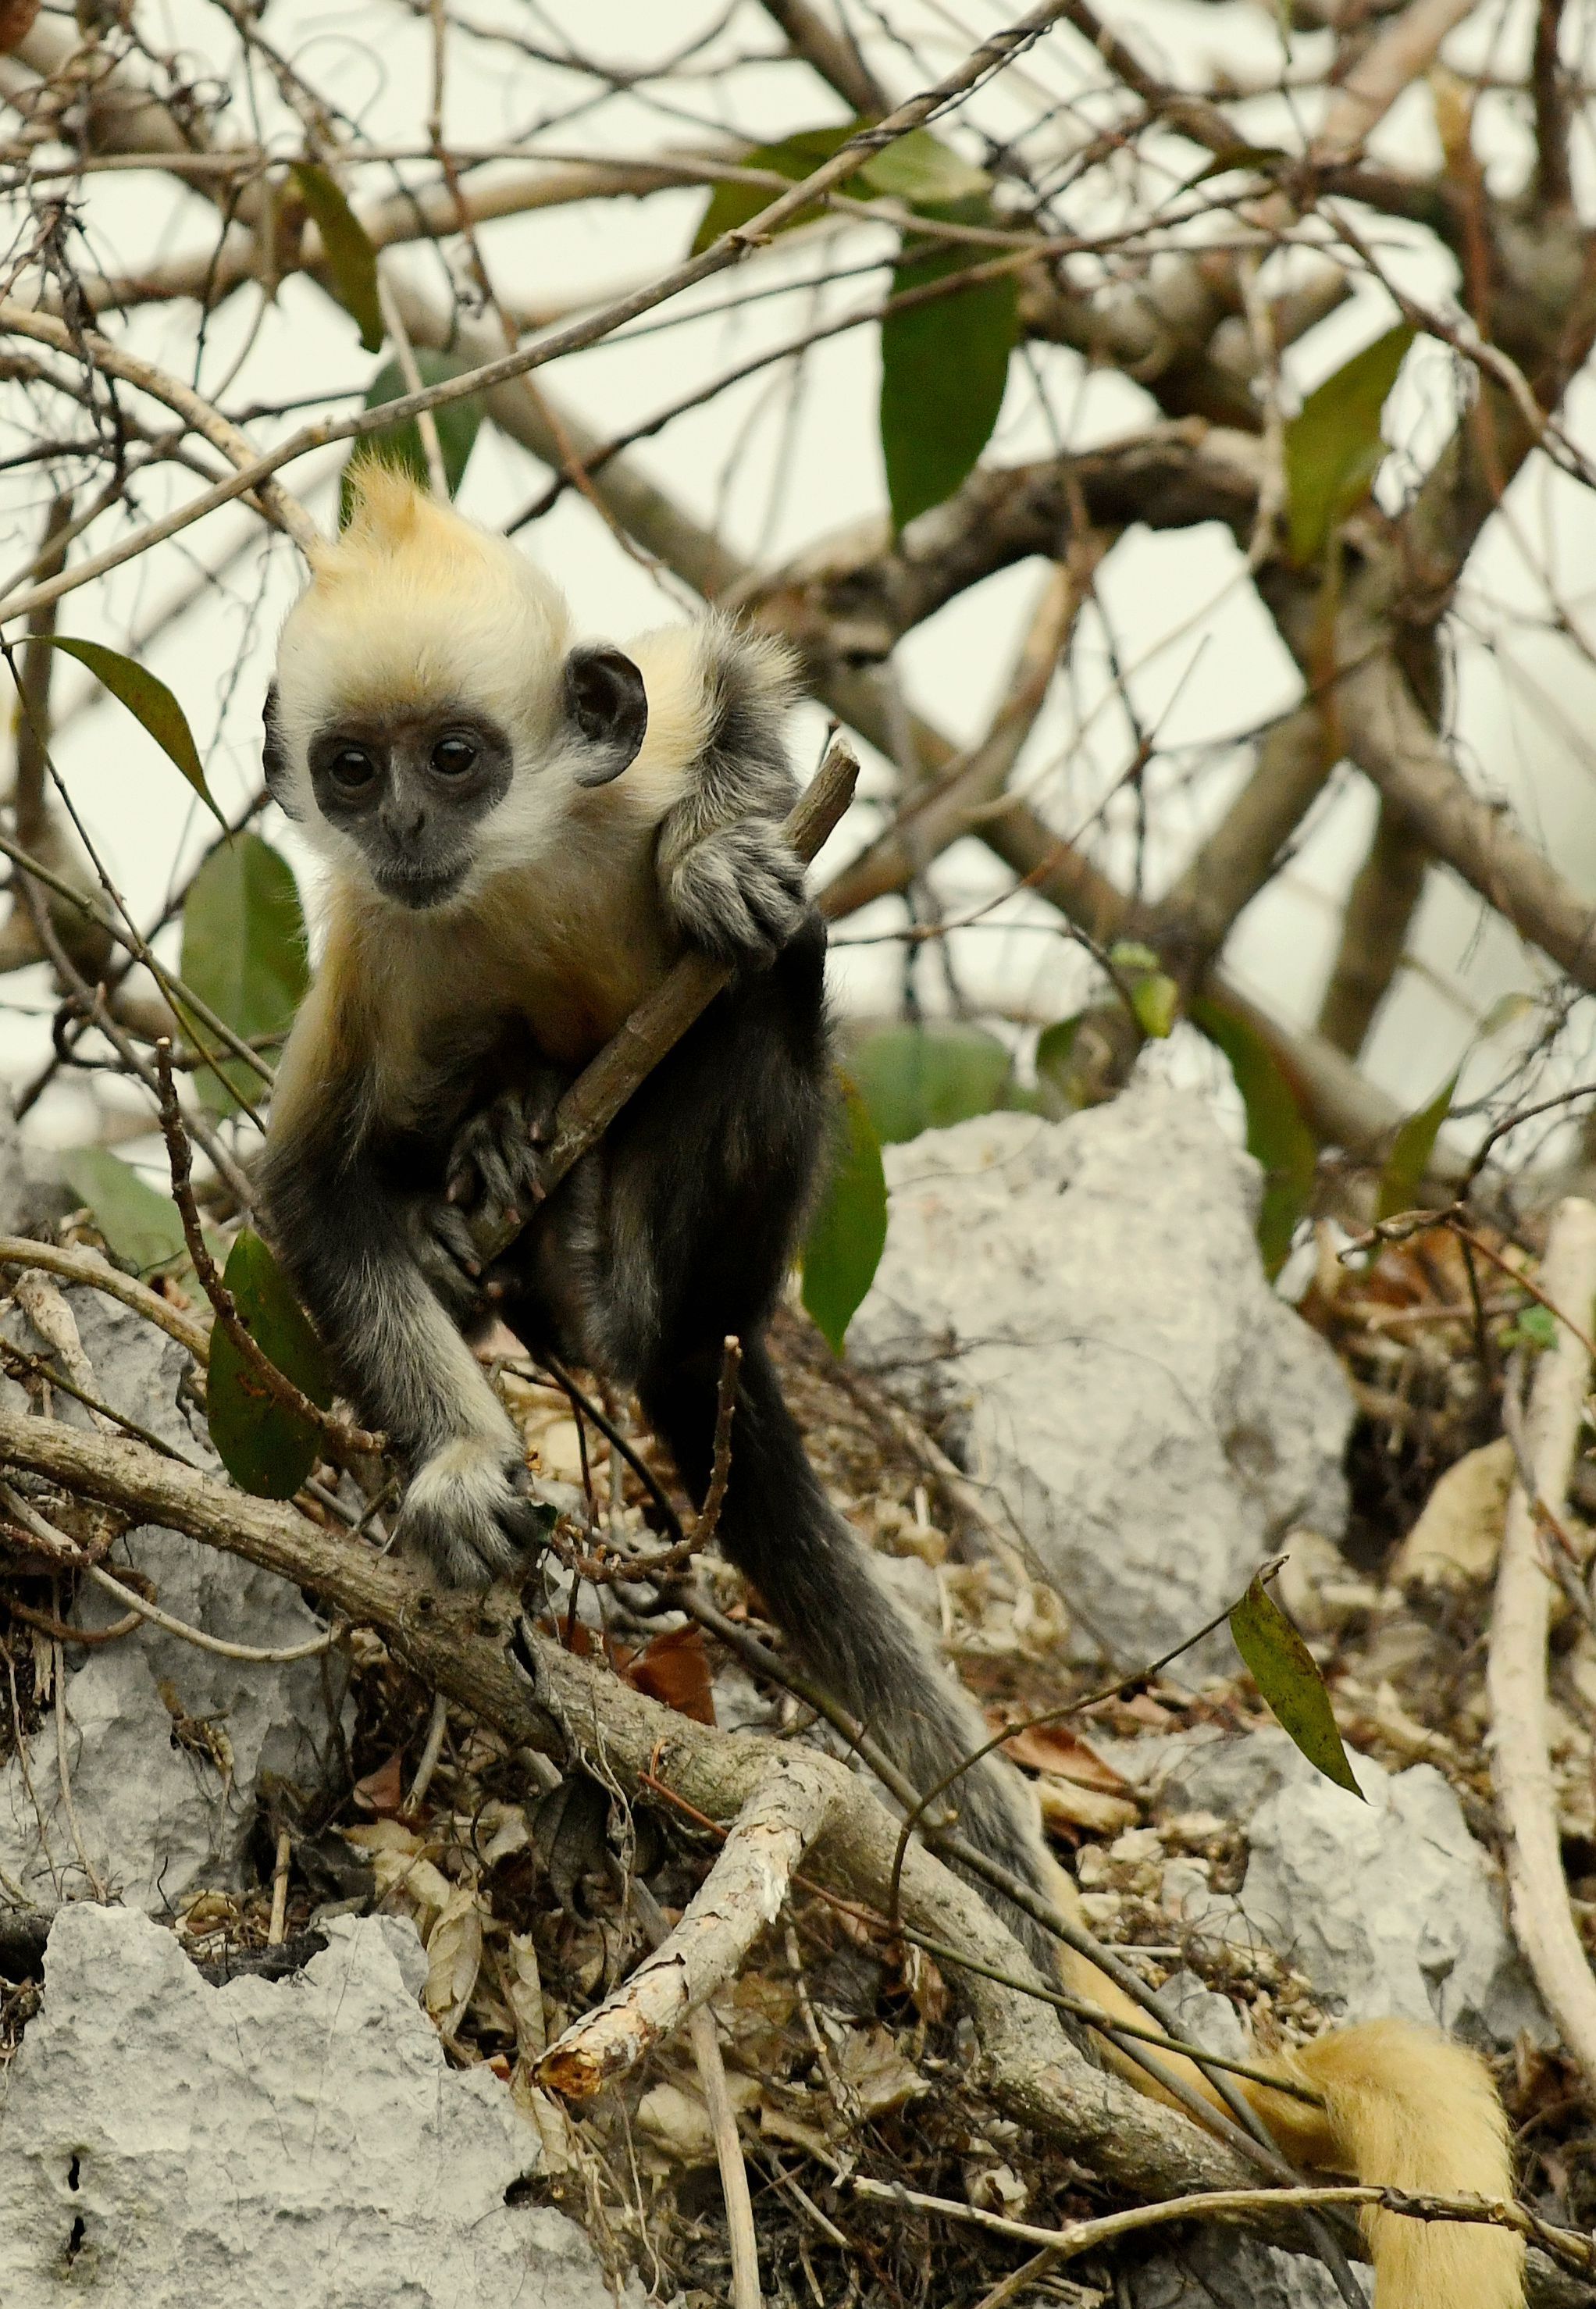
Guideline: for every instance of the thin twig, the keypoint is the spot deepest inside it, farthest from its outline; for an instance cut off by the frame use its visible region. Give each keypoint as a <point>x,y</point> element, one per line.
<point>59,1679</point>
<point>74,1264</point>
<point>254,473</point>
<point>705,2042</point>
<point>1222,2204</point>
<point>277,1929</point>
<point>222,1646</point>
<point>731,1363</point>
<point>432,1748</point>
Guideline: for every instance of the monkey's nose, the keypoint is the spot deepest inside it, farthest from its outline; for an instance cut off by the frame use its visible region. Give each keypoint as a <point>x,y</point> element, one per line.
<point>406,826</point>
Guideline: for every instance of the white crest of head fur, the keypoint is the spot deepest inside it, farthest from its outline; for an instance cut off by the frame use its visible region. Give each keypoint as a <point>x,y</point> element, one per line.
<point>414,607</point>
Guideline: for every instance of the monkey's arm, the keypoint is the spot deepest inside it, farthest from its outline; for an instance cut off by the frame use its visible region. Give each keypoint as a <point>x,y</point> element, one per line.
<point>348,1229</point>
<point>729,878</point>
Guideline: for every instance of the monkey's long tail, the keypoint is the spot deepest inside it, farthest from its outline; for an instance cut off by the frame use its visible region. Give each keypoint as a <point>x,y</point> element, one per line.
<point>1403,2106</point>
<point>817,1579</point>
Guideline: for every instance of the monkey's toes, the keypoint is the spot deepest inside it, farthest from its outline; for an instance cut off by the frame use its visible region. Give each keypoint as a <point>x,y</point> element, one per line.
<point>473,1516</point>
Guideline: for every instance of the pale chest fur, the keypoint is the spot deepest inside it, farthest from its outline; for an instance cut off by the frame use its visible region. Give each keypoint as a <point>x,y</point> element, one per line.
<point>562,951</point>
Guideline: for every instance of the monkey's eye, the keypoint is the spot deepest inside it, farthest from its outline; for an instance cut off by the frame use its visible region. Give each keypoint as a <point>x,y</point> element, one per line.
<point>454,757</point>
<point>352,767</point>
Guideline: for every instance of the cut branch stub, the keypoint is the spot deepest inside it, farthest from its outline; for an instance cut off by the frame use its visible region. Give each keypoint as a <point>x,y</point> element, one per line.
<point>740,1896</point>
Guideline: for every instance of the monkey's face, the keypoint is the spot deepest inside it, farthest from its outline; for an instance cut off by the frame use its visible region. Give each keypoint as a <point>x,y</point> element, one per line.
<point>423,800</point>
<point>408,791</point>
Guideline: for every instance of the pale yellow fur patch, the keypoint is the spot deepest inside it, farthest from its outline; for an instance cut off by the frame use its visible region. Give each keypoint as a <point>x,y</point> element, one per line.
<point>414,605</point>
<point>1403,2106</point>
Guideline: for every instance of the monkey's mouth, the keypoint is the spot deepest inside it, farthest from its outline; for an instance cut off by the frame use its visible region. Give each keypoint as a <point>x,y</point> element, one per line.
<point>418,889</point>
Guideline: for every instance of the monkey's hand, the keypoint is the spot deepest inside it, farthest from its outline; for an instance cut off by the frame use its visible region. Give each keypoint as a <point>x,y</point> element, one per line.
<point>493,1163</point>
<point>491,1172</point>
<point>739,893</point>
<point>471,1511</point>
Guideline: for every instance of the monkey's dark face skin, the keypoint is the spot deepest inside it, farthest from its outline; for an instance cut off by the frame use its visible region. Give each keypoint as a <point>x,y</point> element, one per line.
<point>411,792</point>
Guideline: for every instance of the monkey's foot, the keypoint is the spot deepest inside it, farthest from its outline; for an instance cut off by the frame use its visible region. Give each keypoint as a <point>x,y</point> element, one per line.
<point>470,1510</point>
<point>739,893</point>
<point>493,1163</point>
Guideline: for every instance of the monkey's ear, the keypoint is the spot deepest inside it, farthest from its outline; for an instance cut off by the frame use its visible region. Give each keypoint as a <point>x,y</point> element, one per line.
<point>605,699</point>
<point>273,757</point>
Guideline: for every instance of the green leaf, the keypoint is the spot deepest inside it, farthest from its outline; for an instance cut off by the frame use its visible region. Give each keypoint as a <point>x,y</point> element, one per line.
<point>1156,1002</point>
<point>268,1449</point>
<point>1056,1082</point>
<point>1410,1150</point>
<point>150,702</point>
<point>794,158</point>
<point>1154,997</point>
<point>1283,1669</point>
<point>1334,449</point>
<point>457,422</point>
<point>140,1226</point>
<point>926,1078</point>
<point>1276,1133</point>
<point>1534,1327</point>
<point>848,1230</point>
<point>943,370</point>
<point>923,171</point>
<point>351,259</point>
<point>244,954</point>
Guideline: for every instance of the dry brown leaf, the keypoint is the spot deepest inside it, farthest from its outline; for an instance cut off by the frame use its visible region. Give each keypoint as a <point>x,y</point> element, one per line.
<point>499,1830</point>
<point>1056,1749</point>
<point>676,2120</point>
<point>780,2124</point>
<point>384,1836</point>
<point>1067,1806</point>
<point>382,1791</point>
<point>675,1669</point>
<point>399,1866</point>
<point>521,1980</point>
<point>17,19</point>
<point>453,1958</point>
<point>874,2070</point>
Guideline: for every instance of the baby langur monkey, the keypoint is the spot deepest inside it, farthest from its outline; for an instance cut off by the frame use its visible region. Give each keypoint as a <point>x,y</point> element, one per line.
<point>521,837</point>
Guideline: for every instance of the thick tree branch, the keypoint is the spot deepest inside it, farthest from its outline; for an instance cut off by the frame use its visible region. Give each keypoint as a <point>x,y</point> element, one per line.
<point>853,597</point>
<point>1379,913</point>
<point>835,58</point>
<point>1240,856</point>
<point>571,1709</point>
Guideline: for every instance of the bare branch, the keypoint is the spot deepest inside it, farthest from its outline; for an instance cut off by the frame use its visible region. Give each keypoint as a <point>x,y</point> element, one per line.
<point>1520,1766</point>
<point>662,1017</point>
<point>836,59</point>
<point>1379,913</point>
